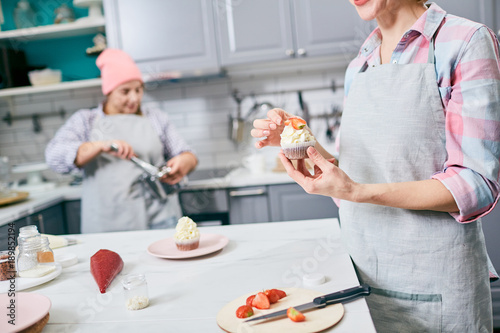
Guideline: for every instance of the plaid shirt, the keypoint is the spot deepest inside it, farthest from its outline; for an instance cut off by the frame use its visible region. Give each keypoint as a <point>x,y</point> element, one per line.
<point>468,76</point>
<point>61,151</point>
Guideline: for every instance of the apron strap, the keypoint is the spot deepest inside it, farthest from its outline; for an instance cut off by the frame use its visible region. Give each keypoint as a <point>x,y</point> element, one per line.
<point>430,58</point>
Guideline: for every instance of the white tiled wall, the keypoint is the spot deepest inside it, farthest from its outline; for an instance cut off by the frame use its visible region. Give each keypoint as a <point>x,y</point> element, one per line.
<point>199,109</point>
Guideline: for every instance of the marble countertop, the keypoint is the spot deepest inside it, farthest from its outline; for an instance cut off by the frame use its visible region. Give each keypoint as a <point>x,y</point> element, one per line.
<point>186,295</point>
<point>37,201</point>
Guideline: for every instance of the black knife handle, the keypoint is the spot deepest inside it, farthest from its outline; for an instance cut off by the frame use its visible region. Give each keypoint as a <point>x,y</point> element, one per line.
<point>342,296</point>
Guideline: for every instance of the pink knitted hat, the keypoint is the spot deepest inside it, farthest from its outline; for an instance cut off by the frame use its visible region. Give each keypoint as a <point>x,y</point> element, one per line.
<point>117,67</point>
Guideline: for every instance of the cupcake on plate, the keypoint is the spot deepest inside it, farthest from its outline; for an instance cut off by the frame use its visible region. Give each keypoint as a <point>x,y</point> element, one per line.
<point>296,138</point>
<point>187,236</point>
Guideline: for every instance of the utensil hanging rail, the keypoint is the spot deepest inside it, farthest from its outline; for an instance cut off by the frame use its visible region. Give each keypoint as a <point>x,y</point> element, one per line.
<point>37,127</point>
<point>333,87</point>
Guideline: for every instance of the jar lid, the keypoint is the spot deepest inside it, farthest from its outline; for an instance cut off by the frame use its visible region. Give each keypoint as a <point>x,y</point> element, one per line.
<point>66,259</point>
<point>312,280</point>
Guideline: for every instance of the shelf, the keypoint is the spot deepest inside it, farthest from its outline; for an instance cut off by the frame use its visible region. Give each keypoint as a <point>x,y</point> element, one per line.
<point>80,27</point>
<point>50,88</point>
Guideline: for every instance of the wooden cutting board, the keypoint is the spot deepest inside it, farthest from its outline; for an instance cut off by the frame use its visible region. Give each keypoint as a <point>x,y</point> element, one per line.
<point>15,197</point>
<point>316,320</point>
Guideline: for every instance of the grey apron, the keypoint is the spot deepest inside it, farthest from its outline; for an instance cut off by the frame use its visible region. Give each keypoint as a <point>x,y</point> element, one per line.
<point>428,272</point>
<point>113,197</point>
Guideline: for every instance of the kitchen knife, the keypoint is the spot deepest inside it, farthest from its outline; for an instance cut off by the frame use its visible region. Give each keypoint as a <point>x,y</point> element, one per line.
<point>319,302</point>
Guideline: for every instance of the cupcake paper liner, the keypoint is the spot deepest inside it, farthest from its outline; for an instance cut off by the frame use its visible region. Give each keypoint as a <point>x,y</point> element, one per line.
<point>297,151</point>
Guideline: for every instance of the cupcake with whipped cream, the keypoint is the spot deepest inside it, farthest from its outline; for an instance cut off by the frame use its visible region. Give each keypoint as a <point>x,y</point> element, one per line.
<point>296,138</point>
<point>187,236</point>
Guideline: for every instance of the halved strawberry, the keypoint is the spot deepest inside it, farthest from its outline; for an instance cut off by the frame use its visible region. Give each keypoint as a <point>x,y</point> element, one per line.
<point>295,315</point>
<point>261,301</point>
<point>244,311</point>
<point>272,295</point>
<point>250,300</point>
<point>280,293</point>
<point>298,123</point>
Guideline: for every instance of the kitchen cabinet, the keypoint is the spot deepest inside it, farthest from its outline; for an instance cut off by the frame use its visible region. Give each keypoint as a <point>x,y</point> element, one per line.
<point>72,215</point>
<point>248,205</point>
<point>4,233</point>
<point>48,221</point>
<point>491,229</point>
<point>262,30</point>
<point>56,46</point>
<point>163,35</point>
<point>289,202</point>
<point>478,11</point>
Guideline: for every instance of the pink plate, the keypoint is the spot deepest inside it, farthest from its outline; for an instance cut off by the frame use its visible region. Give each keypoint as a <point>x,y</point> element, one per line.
<point>29,308</point>
<point>166,248</point>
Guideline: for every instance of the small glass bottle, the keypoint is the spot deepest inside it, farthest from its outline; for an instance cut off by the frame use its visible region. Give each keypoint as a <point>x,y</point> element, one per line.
<point>29,242</point>
<point>27,257</point>
<point>135,289</point>
<point>45,254</point>
<point>24,16</point>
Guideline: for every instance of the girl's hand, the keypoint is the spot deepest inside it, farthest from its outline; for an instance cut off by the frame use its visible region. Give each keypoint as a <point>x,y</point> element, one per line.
<point>270,128</point>
<point>328,179</point>
<point>125,151</point>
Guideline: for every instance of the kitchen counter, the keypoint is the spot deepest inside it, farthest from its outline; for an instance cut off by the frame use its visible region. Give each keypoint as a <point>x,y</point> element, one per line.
<point>37,201</point>
<point>186,295</point>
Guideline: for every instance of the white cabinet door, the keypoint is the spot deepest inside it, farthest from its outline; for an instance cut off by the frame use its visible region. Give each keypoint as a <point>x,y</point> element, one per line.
<point>256,30</point>
<point>263,30</point>
<point>477,10</point>
<point>325,27</point>
<point>163,35</point>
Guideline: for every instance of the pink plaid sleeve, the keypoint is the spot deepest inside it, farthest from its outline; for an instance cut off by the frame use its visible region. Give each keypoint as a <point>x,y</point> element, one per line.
<point>473,128</point>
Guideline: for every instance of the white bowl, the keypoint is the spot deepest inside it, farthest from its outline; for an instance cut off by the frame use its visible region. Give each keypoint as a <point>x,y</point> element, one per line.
<point>45,77</point>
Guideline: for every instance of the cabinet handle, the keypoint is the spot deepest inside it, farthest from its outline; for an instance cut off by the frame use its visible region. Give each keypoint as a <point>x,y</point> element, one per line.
<point>301,52</point>
<point>246,193</point>
<point>290,52</point>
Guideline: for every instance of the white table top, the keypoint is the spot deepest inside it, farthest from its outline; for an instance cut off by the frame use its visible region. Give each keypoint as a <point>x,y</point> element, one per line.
<point>186,295</point>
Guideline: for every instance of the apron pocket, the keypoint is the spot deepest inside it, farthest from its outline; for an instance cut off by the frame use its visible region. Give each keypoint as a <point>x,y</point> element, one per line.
<point>394,311</point>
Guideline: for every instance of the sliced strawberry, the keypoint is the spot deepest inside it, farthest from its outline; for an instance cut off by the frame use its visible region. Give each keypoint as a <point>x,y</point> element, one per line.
<point>244,311</point>
<point>298,123</point>
<point>261,301</point>
<point>295,315</point>
<point>250,300</point>
<point>272,296</point>
<point>280,293</point>
<point>287,122</point>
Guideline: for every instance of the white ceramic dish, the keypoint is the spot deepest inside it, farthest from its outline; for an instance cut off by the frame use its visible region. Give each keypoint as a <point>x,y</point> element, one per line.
<point>25,283</point>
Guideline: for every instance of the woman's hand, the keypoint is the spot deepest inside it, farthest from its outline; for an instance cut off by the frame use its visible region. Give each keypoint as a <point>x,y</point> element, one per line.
<point>270,128</point>
<point>125,151</point>
<point>328,179</point>
<point>180,166</point>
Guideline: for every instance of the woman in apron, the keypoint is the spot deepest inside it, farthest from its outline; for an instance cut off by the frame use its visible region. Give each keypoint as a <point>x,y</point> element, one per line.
<point>114,197</point>
<point>418,166</point>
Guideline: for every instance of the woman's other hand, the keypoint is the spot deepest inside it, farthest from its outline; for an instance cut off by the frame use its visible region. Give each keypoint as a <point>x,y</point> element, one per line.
<point>328,179</point>
<point>180,166</point>
<point>124,151</point>
<point>270,128</point>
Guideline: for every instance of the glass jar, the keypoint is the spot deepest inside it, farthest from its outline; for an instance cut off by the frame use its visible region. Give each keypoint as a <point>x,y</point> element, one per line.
<point>135,289</point>
<point>24,16</point>
<point>45,254</point>
<point>7,267</point>
<point>27,257</point>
